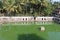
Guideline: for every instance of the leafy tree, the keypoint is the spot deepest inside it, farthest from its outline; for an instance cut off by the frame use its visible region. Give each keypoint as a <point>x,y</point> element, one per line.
<point>1,4</point>
<point>30,7</point>
<point>48,10</point>
<point>42,6</point>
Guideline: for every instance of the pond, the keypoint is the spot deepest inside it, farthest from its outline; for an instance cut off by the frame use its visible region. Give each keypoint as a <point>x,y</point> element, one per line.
<point>29,31</point>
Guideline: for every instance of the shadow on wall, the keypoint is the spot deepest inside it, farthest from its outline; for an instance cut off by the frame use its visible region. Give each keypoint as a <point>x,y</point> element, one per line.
<point>29,37</point>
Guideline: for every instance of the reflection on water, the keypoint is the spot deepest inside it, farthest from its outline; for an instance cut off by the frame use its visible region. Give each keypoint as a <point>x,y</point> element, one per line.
<point>43,23</point>
<point>30,23</point>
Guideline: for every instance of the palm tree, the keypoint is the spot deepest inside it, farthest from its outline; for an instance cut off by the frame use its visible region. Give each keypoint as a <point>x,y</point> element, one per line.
<point>43,4</point>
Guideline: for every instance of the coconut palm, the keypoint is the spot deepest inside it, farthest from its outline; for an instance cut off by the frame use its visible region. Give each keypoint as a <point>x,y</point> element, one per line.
<point>43,4</point>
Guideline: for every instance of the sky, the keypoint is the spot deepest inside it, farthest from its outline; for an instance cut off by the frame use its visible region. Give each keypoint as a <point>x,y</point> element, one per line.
<point>55,0</point>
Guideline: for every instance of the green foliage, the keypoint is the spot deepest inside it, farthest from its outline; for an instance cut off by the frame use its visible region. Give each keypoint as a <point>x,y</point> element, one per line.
<point>31,7</point>
<point>49,9</point>
<point>1,4</point>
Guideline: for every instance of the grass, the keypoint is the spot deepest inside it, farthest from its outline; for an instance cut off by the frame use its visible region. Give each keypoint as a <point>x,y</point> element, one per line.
<point>26,32</point>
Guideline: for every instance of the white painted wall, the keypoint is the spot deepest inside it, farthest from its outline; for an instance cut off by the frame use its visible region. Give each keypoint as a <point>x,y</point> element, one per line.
<point>44,18</point>
<point>20,19</point>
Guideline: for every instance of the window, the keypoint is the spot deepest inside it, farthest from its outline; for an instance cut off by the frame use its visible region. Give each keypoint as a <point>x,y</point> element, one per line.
<point>26,18</point>
<point>58,19</point>
<point>23,18</point>
<point>42,18</point>
<point>52,18</point>
<point>34,18</point>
